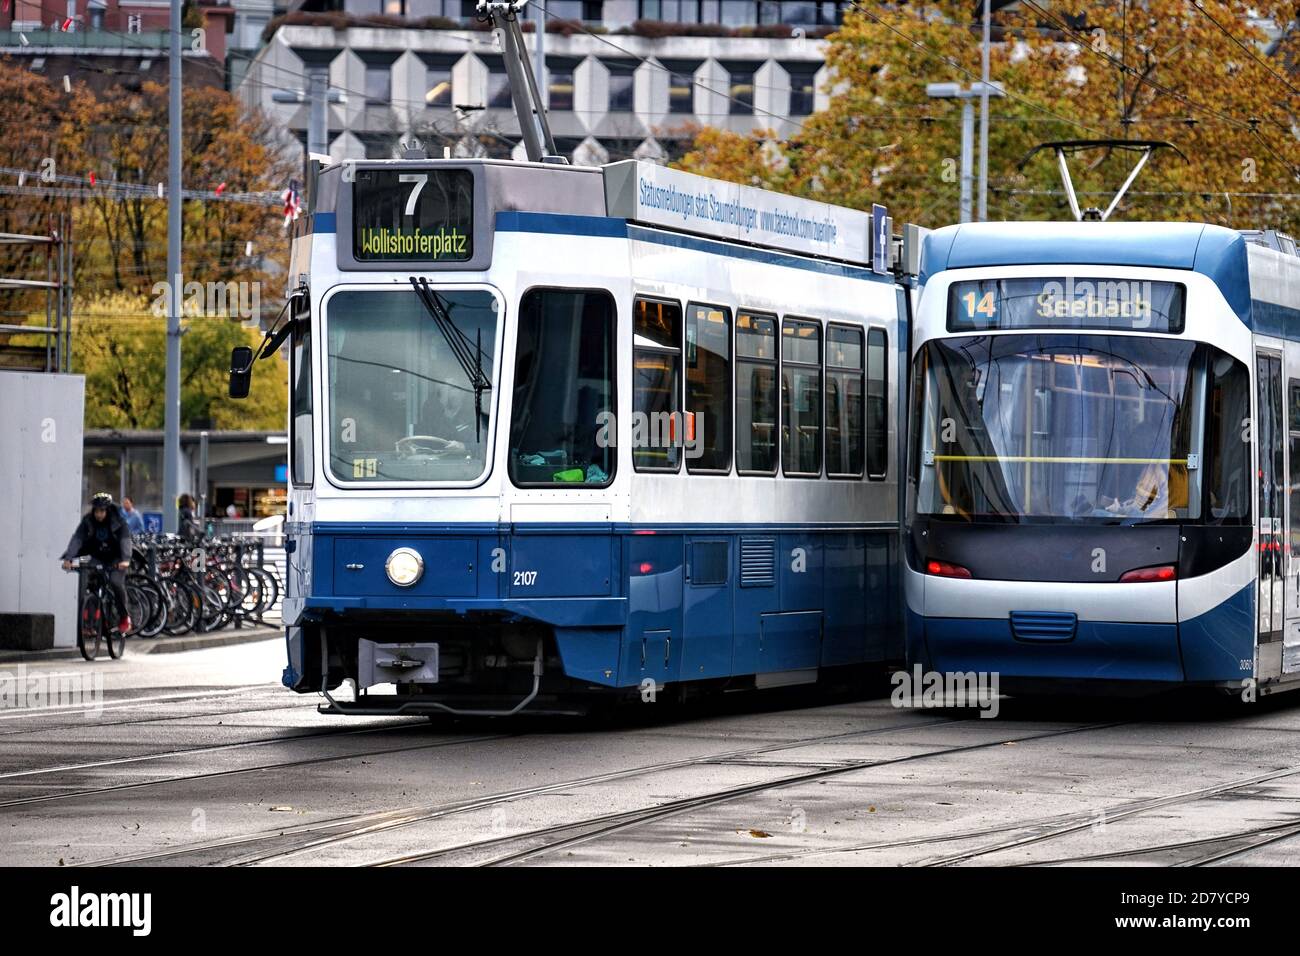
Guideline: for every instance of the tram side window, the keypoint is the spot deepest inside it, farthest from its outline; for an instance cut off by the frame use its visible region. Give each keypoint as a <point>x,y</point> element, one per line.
<point>656,389</point>
<point>562,428</point>
<point>756,449</point>
<point>801,397</point>
<point>1228,442</point>
<point>844,402</point>
<point>877,403</point>
<point>304,459</point>
<point>708,388</point>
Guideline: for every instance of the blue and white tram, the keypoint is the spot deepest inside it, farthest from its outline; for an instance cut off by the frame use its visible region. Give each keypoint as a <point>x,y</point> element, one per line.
<point>1104,456</point>
<point>557,431</point>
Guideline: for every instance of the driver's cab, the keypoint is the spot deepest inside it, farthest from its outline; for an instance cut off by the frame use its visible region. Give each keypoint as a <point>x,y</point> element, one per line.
<point>408,384</point>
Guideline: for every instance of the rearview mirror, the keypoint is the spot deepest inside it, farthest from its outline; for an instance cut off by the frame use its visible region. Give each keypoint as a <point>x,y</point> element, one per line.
<point>241,371</point>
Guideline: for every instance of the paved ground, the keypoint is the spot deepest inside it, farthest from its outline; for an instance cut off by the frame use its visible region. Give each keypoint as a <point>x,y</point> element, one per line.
<point>162,644</point>
<point>201,757</point>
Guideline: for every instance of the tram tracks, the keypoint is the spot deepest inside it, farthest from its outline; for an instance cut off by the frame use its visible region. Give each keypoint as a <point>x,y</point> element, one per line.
<point>322,834</point>
<point>128,702</point>
<point>1111,815</point>
<point>97,725</point>
<point>237,771</point>
<point>1063,825</point>
<point>205,749</point>
<point>593,828</point>
<point>1249,839</point>
<point>303,840</point>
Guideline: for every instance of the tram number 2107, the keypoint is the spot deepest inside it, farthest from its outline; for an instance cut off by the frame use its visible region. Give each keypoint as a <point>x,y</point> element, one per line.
<point>525,579</point>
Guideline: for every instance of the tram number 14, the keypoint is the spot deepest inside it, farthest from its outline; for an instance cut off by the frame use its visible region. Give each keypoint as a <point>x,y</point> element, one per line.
<point>976,305</point>
<point>525,579</point>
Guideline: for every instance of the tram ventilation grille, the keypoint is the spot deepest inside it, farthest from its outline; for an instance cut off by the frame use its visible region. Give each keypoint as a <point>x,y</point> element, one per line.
<point>1043,625</point>
<point>757,562</point>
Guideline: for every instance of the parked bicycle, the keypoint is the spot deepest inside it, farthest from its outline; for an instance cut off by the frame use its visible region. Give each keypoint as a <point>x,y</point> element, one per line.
<point>176,586</point>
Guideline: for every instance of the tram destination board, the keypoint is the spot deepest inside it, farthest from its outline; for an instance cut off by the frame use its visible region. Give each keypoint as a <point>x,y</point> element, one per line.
<point>413,215</point>
<point>1057,302</point>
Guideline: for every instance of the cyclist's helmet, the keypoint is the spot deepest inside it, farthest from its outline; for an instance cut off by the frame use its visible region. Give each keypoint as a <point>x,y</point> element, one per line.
<point>102,500</point>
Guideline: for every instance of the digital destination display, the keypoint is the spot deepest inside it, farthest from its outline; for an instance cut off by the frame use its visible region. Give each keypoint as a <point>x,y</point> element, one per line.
<point>1072,303</point>
<point>422,215</point>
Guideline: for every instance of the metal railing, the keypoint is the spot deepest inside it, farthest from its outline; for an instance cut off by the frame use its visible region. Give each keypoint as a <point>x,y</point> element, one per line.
<point>149,41</point>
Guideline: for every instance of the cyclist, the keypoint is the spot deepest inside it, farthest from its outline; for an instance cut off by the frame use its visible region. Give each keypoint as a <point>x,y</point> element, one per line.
<point>103,535</point>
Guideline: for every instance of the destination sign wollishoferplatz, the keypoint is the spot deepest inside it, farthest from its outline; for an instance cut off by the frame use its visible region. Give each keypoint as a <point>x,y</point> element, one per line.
<point>413,215</point>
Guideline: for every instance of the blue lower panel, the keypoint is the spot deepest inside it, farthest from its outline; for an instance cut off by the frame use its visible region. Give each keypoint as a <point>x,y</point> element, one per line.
<point>668,604</point>
<point>790,641</point>
<point>1100,651</point>
<point>1219,645</point>
<point>590,654</point>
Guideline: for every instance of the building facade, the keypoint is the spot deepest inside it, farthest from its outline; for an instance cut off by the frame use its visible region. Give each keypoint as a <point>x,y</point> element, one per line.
<point>243,468</point>
<point>115,45</point>
<point>623,78</point>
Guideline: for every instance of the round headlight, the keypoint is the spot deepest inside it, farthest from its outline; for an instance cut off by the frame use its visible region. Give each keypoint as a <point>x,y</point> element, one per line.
<point>404,567</point>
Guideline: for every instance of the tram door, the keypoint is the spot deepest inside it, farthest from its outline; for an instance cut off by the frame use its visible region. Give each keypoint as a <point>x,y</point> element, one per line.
<point>1272,501</point>
<point>1291,632</point>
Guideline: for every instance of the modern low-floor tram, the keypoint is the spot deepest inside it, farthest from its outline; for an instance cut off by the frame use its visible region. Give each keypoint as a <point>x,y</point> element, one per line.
<point>1103,458</point>
<point>561,431</point>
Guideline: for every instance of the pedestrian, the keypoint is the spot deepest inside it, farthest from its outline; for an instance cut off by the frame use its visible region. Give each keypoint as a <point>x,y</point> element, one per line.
<point>190,529</point>
<point>134,520</point>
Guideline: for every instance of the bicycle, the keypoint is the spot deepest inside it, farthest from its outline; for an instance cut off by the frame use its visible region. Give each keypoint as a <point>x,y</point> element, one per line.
<point>98,614</point>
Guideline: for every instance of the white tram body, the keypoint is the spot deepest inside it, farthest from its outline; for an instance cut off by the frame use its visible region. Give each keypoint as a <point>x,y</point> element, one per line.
<point>636,430</point>
<point>1104,456</point>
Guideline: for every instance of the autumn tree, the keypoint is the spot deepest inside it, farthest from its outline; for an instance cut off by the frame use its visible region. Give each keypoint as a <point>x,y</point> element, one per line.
<point>1194,73</point>
<point>99,160</point>
<point>31,121</point>
<point>123,232</point>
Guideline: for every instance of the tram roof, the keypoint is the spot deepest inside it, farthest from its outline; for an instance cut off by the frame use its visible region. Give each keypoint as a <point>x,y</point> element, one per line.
<point>1215,251</point>
<point>631,191</point>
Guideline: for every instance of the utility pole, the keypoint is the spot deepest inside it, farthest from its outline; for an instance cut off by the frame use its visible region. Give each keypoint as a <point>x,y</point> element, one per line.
<point>317,123</point>
<point>966,94</point>
<point>539,53</point>
<point>984,120</point>
<point>172,390</point>
<point>318,96</point>
<point>967,141</point>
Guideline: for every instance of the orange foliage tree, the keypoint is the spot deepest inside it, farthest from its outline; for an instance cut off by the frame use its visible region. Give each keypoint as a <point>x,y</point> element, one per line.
<point>1208,77</point>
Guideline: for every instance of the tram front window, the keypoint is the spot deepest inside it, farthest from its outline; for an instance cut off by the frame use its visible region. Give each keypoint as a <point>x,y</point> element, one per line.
<point>1091,428</point>
<point>403,407</point>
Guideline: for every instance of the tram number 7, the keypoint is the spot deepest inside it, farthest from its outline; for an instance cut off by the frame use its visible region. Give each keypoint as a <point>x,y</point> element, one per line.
<point>419,179</point>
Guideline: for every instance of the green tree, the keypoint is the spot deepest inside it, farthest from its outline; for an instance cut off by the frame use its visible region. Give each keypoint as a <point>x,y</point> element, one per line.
<point>120,347</point>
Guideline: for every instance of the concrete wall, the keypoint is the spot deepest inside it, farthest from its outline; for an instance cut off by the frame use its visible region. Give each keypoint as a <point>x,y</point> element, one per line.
<point>40,494</point>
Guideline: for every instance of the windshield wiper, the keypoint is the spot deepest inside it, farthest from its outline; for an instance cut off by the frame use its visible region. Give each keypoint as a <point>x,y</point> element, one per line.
<point>468,354</point>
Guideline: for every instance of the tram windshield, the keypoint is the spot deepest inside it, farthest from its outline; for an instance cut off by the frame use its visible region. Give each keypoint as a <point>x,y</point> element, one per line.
<point>1090,428</point>
<point>402,407</point>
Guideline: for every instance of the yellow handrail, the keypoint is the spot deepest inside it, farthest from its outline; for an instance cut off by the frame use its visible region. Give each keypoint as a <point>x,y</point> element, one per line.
<point>1044,459</point>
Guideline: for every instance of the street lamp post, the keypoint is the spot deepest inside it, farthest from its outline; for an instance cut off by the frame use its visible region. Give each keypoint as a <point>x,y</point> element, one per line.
<point>967,94</point>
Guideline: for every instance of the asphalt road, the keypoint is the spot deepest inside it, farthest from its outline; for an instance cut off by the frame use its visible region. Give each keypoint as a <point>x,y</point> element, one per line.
<point>202,758</point>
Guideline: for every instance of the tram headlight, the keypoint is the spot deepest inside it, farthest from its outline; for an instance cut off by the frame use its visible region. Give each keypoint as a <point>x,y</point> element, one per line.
<point>404,567</point>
